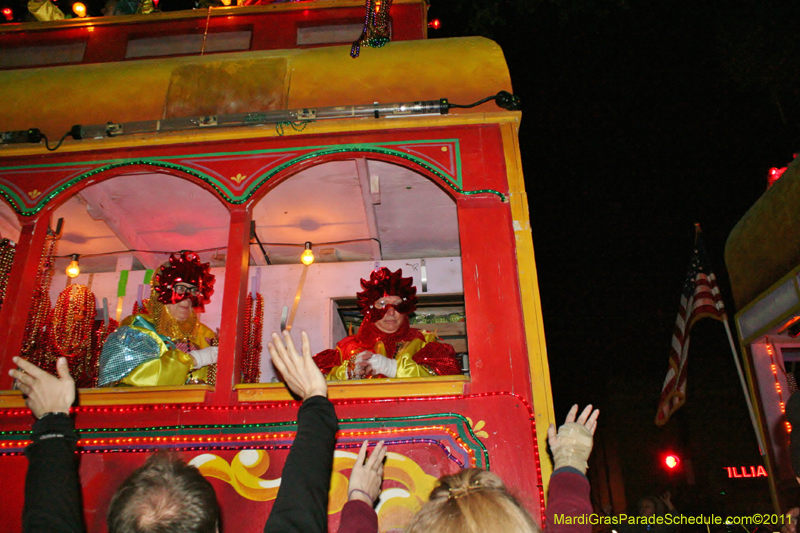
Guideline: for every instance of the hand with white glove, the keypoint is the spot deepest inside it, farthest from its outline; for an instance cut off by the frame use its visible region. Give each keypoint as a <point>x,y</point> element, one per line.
<point>378,364</point>
<point>361,364</point>
<point>204,356</point>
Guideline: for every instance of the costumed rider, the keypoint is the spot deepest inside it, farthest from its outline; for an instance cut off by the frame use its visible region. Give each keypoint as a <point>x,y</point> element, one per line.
<point>385,345</point>
<point>168,345</point>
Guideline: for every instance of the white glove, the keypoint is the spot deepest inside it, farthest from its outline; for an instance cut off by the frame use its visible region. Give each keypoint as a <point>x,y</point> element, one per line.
<point>361,360</point>
<point>383,365</point>
<point>204,356</point>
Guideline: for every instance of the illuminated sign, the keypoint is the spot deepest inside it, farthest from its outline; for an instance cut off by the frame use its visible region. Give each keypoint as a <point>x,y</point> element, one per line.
<point>746,471</point>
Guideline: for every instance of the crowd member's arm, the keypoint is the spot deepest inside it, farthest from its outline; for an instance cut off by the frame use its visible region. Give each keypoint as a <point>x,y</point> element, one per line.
<point>358,514</point>
<point>569,488</point>
<point>52,486</point>
<point>302,502</point>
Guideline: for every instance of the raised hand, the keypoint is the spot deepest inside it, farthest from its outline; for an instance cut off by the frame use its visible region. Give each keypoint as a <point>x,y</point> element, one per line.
<point>300,372</point>
<point>45,393</point>
<point>588,419</point>
<point>367,474</point>
<point>572,444</point>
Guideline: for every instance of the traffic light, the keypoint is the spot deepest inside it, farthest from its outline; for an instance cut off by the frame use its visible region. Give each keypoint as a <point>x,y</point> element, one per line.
<point>671,461</point>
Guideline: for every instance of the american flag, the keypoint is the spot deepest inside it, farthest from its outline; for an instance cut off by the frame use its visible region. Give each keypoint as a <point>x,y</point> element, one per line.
<point>700,298</point>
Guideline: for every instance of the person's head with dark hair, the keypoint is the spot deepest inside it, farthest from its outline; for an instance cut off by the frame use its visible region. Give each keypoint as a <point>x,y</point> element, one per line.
<point>472,500</point>
<point>165,495</point>
<point>650,506</point>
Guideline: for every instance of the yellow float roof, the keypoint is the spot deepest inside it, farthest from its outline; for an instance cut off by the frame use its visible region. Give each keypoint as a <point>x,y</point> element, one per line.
<point>463,70</point>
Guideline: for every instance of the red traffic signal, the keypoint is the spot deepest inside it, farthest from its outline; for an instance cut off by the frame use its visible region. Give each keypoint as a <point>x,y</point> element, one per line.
<point>671,461</point>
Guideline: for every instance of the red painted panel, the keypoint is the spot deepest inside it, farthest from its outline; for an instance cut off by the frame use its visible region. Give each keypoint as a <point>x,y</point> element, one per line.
<point>107,41</point>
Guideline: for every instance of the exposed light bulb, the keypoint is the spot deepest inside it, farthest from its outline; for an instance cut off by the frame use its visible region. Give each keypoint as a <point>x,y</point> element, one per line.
<point>79,9</point>
<point>73,269</point>
<point>308,256</point>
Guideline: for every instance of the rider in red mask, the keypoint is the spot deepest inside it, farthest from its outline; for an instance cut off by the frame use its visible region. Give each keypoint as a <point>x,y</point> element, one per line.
<point>385,345</point>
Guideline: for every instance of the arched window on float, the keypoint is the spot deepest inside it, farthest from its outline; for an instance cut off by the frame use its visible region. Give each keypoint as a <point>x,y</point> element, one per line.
<point>119,233</point>
<point>356,216</point>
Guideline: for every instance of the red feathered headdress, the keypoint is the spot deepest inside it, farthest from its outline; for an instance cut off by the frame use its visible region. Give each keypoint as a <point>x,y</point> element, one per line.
<point>383,282</point>
<point>185,268</point>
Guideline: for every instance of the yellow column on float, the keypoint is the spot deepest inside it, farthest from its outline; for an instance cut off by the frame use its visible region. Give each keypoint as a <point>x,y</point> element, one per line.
<point>529,291</point>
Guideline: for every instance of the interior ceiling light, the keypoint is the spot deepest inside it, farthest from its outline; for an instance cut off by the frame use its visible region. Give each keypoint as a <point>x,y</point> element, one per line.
<point>73,269</point>
<point>307,257</point>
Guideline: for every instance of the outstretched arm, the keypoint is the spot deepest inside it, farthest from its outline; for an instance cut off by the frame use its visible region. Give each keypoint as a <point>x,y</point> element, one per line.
<point>52,486</point>
<point>302,502</point>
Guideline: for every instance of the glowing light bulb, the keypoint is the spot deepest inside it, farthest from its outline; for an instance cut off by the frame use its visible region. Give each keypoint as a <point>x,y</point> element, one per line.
<point>671,461</point>
<point>308,256</point>
<point>79,9</point>
<point>73,269</point>
<point>435,24</point>
<point>8,13</point>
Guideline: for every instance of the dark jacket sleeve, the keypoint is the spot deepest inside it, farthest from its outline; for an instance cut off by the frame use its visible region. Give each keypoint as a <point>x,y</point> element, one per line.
<point>52,485</point>
<point>358,517</point>
<point>569,498</point>
<point>302,502</point>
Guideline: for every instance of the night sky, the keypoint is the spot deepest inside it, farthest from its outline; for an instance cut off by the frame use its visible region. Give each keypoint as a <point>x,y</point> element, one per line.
<point>641,118</point>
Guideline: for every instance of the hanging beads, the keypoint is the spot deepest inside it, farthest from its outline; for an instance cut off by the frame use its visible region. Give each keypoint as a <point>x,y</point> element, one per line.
<point>376,26</point>
<point>7,251</point>
<point>40,307</point>
<point>253,331</point>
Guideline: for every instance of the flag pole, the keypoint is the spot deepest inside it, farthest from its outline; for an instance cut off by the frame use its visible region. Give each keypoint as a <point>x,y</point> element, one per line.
<point>761,449</point>
<point>735,354</point>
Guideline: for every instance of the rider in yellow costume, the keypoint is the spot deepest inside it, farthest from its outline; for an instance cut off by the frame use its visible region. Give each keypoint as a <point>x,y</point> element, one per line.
<point>385,345</point>
<point>167,345</point>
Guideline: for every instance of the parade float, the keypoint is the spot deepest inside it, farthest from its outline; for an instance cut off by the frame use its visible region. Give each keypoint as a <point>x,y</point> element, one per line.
<point>254,135</point>
<point>763,259</point>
